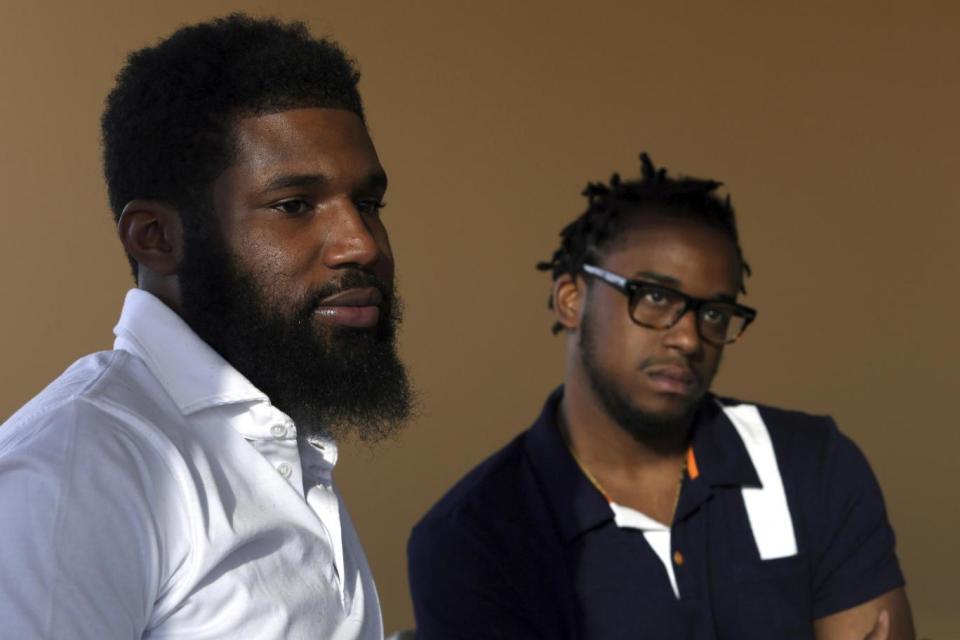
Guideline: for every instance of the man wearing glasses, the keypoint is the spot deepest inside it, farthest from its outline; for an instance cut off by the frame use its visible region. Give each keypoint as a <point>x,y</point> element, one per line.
<point>639,505</point>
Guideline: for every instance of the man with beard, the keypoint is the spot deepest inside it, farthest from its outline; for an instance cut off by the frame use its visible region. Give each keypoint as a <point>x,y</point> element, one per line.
<point>639,505</point>
<point>180,485</point>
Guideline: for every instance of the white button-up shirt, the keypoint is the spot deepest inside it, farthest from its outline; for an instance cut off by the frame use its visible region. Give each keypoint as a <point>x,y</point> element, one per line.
<point>152,491</point>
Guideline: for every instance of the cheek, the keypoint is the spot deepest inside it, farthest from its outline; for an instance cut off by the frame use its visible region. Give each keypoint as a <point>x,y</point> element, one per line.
<point>616,342</point>
<point>711,361</point>
<point>268,264</point>
<point>385,264</point>
<point>638,347</point>
<point>271,269</point>
<point>270,254</point>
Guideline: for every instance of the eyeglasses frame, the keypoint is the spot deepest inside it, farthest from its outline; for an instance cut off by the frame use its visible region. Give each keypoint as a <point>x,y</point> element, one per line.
<point>629,288</point>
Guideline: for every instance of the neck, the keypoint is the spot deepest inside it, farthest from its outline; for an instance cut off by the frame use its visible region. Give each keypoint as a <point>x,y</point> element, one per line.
<point>644,474</point>
<point>167,289</point>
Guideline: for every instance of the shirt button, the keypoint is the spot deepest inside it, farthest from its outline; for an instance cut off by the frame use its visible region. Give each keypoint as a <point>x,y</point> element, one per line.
<point>678,558</point>
<point>278,431</point>
<point>284,469</point>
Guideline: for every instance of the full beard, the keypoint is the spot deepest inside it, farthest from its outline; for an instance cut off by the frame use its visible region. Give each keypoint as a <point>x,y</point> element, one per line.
<point>331,381</point>
<point>644,426</point>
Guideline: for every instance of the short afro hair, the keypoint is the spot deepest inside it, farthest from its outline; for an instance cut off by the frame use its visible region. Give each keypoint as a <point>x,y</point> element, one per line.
<point>168,121</point>
<point>609,209</point>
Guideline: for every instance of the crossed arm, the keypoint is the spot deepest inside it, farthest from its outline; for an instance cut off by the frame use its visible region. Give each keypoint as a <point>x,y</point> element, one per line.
<point>886,617</point>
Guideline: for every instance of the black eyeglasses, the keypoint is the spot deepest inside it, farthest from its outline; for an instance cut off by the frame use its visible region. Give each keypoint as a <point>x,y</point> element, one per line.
<point>655,306</point>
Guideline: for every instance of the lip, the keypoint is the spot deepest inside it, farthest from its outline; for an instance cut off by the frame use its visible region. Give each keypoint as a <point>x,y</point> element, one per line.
<point>673,379</point>
<point>351,308</point>
<point>363,297</point>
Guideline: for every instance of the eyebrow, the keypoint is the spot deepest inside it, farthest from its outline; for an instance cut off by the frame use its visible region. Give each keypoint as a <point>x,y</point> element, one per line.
<point>670,281</point>
<point>659,278</point>
<point>375,180</point>
<point>287,180</point>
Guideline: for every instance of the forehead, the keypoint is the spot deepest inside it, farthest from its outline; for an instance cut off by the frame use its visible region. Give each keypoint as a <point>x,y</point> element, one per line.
<point>329,142</point>
<point>699,258</point>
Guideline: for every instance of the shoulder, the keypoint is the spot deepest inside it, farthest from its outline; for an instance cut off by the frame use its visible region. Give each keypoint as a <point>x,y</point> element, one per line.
<point>784,421</point>
<point>101,418</point>
<point>79,377</point>
<point>499,509</point>
<point>94,493</point>
<point>802,441</point>
<point>491,487</point>
<point>494,525</point>
<point>819,465</point>
<point>488,556</point>
<point>828,479</point>
<point>95,394</point>
<point>462,545</point>
<point>94,447</point>
<point>836,504</point>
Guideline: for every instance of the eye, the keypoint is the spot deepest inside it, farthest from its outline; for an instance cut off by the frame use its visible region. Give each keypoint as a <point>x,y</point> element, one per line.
<point>370,207</point>
<point>716,315</point>
<point>293,206</point>
<point>654,296</point>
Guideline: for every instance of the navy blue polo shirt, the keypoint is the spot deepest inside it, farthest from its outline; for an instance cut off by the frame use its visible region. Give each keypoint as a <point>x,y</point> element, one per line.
<point>526,547</point>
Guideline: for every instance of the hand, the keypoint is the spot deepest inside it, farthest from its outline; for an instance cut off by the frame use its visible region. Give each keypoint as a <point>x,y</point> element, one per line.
<point>881,630</point>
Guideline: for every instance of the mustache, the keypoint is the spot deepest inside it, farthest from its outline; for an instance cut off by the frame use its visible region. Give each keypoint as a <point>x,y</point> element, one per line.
<point>352,279</point>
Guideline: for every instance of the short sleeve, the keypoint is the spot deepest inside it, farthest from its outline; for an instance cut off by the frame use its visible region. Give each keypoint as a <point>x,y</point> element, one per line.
<point>78,543</point>
<point>854,556</point>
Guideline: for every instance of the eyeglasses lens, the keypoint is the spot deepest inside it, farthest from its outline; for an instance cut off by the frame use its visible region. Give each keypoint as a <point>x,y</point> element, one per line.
<point>659,308</point>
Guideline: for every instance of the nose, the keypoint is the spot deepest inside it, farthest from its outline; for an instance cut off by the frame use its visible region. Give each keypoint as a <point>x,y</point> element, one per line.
<point>352,239</point>
<point>684,336</point>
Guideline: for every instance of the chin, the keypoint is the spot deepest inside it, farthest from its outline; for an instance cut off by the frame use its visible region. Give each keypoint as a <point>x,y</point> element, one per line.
<point>671,407</point>
<point>646,426</point>
<point>655,418</point>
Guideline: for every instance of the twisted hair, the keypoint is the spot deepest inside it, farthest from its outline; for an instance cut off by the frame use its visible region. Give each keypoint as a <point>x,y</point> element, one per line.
<point>609,205</point>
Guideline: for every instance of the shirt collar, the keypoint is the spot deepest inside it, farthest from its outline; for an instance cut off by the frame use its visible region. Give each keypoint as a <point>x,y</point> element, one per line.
<point>575,502</point>
<point>719,459</point>
<point>720,455</point>
<point>194,375</point>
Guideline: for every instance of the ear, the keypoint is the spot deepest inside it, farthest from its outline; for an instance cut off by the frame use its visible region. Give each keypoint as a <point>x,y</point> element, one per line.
<point>568,298</point>
<point>152,233</point>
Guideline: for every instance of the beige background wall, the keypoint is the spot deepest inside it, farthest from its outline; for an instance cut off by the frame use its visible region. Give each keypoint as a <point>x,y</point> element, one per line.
<point>834,126</point>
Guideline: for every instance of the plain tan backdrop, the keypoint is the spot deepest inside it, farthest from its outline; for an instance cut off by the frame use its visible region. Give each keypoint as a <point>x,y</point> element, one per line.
<point>834,126</point>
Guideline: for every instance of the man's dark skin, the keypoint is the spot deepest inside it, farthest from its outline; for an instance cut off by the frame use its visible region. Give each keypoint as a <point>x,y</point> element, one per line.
<point>665,374</point>
<point>299,202</point>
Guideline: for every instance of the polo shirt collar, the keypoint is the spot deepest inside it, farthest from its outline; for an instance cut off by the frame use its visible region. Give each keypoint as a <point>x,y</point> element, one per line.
<point>719,459</point>
<point>719,453</point>
<point>195,376</point>
<point>575,502</point>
